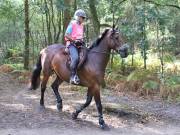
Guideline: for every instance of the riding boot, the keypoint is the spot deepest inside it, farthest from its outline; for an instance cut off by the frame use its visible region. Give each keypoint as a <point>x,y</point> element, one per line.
<point>74,79</point>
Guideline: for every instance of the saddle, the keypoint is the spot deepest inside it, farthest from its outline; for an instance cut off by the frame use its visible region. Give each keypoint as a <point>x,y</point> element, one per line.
<point>82,50</point>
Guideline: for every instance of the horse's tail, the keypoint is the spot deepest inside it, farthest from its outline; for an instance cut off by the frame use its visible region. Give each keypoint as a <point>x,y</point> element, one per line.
<point>35,78</point>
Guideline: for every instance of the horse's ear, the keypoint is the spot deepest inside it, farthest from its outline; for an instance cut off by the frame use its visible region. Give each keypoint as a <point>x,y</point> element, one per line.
<point>113,27</point>
<point>113,30</point>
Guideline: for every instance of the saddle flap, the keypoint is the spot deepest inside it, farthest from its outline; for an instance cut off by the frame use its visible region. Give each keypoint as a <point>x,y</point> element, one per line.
<point>82,57</point>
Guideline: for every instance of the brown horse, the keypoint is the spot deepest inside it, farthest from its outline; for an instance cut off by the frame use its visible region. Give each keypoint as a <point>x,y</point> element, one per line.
<point>91,74</point>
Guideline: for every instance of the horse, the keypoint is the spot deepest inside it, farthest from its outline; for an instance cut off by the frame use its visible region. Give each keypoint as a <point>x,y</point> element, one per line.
<point>53,60</point>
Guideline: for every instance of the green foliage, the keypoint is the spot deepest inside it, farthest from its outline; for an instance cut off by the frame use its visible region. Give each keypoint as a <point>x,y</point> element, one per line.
<point>152,31</point>
<point>170,90</point>
<point>115,75</point>
<point>17,66</point>
<point>150,85</point>
<point>169,58</point>
<point>139,75</point>
<point>60,5</point>
<point>13,52</point>
<point>173,81</point>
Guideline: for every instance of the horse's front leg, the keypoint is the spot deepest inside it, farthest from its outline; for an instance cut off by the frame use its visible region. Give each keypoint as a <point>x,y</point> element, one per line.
<point>97,99</point>
<point>88,101</point>
<point>55,86</point>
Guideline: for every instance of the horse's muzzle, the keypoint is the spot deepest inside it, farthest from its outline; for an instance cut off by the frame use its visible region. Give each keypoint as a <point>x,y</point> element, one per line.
<point>123,51</point>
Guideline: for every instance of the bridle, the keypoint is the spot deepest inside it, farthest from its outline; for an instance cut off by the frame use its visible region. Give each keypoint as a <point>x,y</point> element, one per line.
<point>101,52</point>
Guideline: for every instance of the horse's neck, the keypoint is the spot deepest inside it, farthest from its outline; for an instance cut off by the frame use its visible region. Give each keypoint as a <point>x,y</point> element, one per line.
<point>102,54</point>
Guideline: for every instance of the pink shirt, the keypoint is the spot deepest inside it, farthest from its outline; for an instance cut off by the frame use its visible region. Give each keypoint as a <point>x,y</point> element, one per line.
<point>75,30</point>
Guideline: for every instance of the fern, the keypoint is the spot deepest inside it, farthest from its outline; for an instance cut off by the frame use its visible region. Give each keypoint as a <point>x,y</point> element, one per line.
<point>150,85</point>
<point>173,81</point>
<point>139,75</point>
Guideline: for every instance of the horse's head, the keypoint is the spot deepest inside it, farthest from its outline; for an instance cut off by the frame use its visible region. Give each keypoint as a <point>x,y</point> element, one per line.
<point>116,42</point>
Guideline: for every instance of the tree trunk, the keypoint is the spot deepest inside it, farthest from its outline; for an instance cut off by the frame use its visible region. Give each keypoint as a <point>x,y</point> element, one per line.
<point>94,16</point>
<point>132,51</point>
<point>48,23</point>
<point>59,26</point>
<point>26,49</point>
<point>43,31</point>
<point>67,15</point>
<point>52,20</point>
<point>44,39</point>
<point>177,34</point>
<point>75,5</point>
<point>144,37</point>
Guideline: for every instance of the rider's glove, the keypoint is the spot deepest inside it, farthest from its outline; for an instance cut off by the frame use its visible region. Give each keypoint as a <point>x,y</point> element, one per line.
<point>79,42</point>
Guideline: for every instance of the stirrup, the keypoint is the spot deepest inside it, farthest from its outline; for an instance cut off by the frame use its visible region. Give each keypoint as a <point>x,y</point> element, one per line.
<point>74,80</point>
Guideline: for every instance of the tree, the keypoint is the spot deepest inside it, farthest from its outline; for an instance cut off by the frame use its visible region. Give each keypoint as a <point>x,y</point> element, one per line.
<point>67,14</point>
<point>48,22</point>
<point>26,47</point>
<point>94,16</point>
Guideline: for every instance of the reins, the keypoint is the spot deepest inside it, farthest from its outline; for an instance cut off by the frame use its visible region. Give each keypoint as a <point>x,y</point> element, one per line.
<point>103,52</point>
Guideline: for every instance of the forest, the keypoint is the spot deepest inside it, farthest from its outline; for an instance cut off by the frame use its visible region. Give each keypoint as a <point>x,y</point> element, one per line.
<point>150,27</point>
<point>140,93</point>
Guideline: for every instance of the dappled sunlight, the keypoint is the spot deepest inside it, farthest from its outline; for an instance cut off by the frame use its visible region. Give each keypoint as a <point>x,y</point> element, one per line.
<point>53,107</point>
<point>28,96</point>
<point>173,67</point>
<point>14,106</point>
<point>153,130</point>
<point>66,107</point>
<point>156,61</point>
<point>125,52</point>
<point>26,112</point>
<point>79,101</point>
<point>69,94</point>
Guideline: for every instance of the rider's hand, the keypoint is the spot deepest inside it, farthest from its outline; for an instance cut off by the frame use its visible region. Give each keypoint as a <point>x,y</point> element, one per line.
<point>78,42</point>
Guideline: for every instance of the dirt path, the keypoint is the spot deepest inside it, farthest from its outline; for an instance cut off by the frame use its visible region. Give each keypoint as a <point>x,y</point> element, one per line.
<point>20,113</point>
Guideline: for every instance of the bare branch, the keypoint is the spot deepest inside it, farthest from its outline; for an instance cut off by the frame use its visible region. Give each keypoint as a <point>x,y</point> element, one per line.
<point>105,25</point>
<point>167,5</point>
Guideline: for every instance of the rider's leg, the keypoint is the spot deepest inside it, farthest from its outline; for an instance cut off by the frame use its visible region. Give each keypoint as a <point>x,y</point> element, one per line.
<point>74,63</point>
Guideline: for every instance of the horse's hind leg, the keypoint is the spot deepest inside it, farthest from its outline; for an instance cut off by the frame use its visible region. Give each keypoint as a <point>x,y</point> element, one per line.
<point>55,86</point>
<point>43,88</point>
<point>88,101</point>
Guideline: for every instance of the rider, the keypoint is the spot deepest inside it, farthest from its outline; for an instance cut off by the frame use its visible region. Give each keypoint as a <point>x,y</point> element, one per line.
<point>74,33</point>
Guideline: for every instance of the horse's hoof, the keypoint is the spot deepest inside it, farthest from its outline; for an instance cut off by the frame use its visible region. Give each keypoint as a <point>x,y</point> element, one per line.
<point>74,115</point>
<point>59,106</point>
<point>104,127</point>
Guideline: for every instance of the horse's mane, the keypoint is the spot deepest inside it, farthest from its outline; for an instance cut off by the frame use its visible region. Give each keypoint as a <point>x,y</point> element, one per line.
<point>99,39</point>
